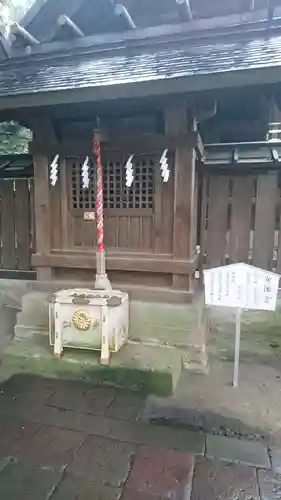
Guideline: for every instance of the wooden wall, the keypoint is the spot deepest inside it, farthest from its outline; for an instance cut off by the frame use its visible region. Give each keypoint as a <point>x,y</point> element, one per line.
<point>241,219</point>
<point>17,228</point>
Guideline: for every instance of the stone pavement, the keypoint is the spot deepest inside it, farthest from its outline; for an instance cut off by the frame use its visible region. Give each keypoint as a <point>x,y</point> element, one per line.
<point>211,404</point>
<point>63,440</point>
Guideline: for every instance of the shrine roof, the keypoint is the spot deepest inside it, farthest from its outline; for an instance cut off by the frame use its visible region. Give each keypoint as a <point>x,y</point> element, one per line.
<point>182,66</point>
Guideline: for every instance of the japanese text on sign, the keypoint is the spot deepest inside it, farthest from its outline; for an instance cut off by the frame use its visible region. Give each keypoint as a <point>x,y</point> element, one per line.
<point>241,285</point>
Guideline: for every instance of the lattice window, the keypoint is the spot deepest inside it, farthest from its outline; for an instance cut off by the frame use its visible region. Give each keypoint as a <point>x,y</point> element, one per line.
<point>116,194</point>
<point>139,195</point>
<point>82,198</point>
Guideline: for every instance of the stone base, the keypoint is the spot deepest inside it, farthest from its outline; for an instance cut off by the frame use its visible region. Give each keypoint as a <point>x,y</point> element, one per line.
<point>183,328</point>
<point>134,367</point>
<point>158,333</point>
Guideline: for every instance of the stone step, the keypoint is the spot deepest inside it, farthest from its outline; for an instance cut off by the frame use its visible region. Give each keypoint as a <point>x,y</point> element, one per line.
<point>169,323</point>
<point>160,335</point>
<point>154,370</point>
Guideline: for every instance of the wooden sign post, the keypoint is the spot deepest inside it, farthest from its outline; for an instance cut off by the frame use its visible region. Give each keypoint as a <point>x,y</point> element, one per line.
<point>240,286</point>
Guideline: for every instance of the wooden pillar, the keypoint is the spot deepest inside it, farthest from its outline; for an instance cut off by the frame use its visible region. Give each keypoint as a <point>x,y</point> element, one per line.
<point>45,142</point>
<point>178,122</point>
<point>42,211</point>
<point>64,185</point>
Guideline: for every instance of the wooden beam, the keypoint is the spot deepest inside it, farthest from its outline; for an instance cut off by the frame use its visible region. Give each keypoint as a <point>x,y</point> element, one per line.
<point>122,11</point>
<point>44,134</point>
<point>84,260</point>
<point>254,20</point>
<point>177,120</point>
<point>271,9</point>
<point>151,142</point>
<point>184,10</point>
<point>5,46</point>
<point>65,21</point>
<point>42,210</point>
<point>19,31</point>
<point>17,274</point>
<point>204,112</point>
<point>142,144</point>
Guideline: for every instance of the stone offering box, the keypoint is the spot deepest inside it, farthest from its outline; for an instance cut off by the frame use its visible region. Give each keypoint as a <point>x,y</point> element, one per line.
<point>89,319</point>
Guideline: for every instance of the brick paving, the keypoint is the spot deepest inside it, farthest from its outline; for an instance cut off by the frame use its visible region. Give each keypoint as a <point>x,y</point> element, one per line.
<point>61,440</point>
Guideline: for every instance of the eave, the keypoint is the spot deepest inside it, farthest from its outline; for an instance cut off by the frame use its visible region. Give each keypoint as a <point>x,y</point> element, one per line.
<point>165,87</point>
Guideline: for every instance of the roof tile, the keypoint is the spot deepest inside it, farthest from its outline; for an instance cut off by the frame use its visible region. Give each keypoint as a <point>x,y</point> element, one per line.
<point>115,69</point>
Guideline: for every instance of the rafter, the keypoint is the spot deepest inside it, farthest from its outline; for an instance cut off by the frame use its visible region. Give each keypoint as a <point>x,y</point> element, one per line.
<point>121,11</point>
<point>5,47</point>
<point>65,21</point>
<point>184,10</point>
<point>271,7</point>
<point>19,31</point>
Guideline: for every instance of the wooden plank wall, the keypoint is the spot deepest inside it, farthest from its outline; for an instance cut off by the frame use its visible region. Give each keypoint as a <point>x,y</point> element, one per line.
<point>17,228</point>
<point>241,220</point>
<point>128,231</point>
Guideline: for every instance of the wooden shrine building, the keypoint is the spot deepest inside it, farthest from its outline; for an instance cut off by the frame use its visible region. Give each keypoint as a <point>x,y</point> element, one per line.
<point>152,75</point>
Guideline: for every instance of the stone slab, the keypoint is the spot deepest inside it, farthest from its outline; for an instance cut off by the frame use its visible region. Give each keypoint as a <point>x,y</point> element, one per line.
<point>92,400</point>
<point>15,435</point>
<point>154,435</point>
<point>57,417</point>
<point>133,495</point>
<point>149,369</point>
<point>270,485</point>
<point>34,313</point>
<point>8,318</point>
<point>169,315</point>
<point>103,460</point>
<point>159,334</point>
<point>51,447</point>
<point>275,454</point>
<point>74,488</point>
<point>155,360</point>
<point>23,482</point>
<point>161,473</point>
<point>164,322</point>
<point>236,450</point>
<point>214,480</point>
<point>4,462</point>
<point>27,390</point>
<point>126,405</point>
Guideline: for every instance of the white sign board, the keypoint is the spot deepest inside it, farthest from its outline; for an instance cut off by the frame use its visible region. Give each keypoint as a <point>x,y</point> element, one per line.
<point>241,286</point>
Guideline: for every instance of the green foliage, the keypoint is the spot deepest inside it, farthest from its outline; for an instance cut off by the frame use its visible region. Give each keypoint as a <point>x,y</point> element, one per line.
<point>12,10</point>
<point>13,137</point>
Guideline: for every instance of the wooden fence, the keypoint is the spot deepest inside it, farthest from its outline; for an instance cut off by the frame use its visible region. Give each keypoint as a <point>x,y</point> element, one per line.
<point>240,219</point>
<point>17,229</point>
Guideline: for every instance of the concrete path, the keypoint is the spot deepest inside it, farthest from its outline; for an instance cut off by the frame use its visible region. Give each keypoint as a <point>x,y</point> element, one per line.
<point>66,441</point>
<point>210,403</point>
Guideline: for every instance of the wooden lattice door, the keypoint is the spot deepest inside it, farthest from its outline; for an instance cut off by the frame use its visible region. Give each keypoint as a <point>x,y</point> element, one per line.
<point>128,212</point>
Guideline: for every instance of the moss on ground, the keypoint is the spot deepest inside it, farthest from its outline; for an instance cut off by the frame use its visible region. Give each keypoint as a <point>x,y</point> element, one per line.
<point>260,334</point>
<point>34,356</point>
